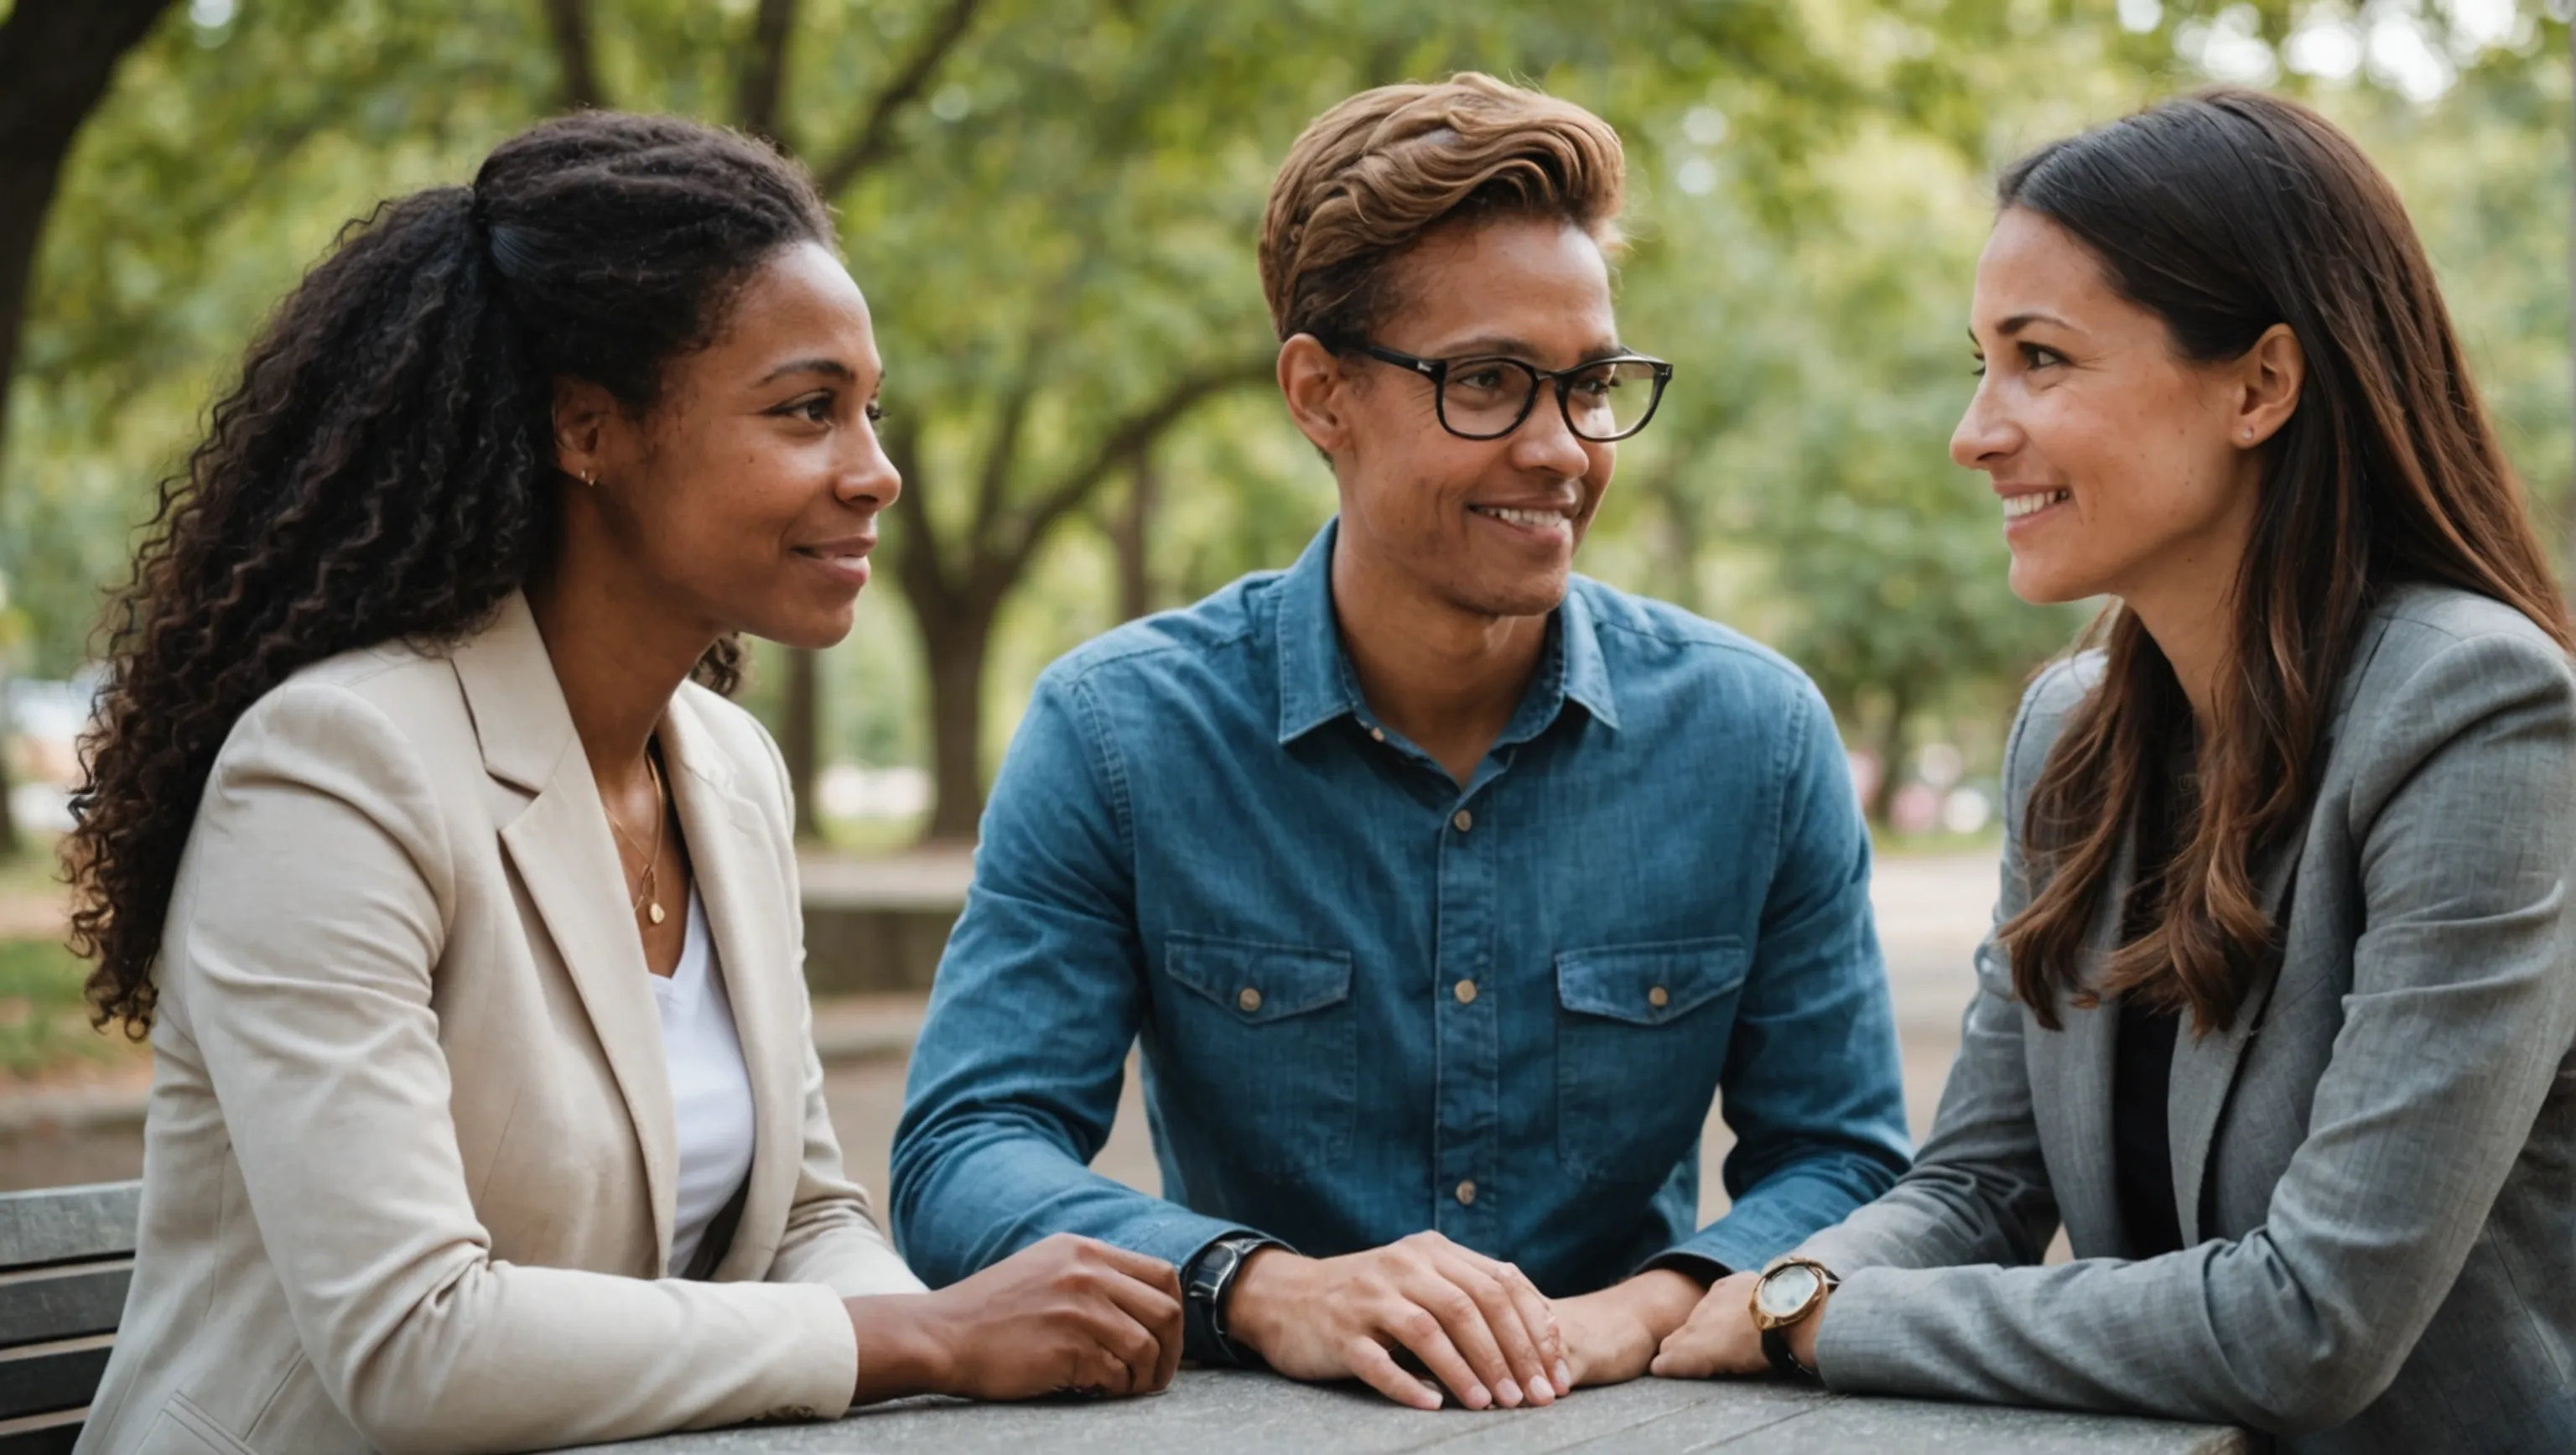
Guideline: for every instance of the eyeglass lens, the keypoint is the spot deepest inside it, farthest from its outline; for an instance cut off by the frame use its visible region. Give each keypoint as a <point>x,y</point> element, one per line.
<point>1487,397</point>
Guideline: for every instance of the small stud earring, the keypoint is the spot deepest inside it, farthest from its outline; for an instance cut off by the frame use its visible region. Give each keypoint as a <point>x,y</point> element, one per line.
<point>590,483</point>
<point>2249,435</point>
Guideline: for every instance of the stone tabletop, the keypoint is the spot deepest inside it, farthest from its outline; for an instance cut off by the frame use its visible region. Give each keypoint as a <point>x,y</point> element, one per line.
<point>1211,1411</point>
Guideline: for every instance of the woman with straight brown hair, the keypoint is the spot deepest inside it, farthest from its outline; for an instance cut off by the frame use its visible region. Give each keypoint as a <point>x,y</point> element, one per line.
<point>2276,1017</point>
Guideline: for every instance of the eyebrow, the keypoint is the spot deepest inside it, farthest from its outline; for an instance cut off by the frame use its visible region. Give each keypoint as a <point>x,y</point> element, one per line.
<point>2020,321</point>
<point>1490,345</point>
<point>831,367</point>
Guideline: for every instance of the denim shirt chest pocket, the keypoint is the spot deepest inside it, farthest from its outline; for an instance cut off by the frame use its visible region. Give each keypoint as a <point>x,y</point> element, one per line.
<point>1641,1037</point>
<point>1266,1033</point>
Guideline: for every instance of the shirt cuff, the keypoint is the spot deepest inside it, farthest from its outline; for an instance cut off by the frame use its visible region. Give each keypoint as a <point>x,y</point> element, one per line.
<point>1697,1266</point>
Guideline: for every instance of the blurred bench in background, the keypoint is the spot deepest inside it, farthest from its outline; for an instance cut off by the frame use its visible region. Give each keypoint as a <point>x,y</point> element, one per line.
<point>66,1255</point>
<point>879,925</point>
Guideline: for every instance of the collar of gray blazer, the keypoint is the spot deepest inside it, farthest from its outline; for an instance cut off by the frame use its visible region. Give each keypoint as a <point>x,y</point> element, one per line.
<point>560,844</point>
<point>2204,1066</point>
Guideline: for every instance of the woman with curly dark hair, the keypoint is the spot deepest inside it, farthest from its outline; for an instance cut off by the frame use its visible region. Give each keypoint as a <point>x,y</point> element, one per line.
<point>460,905</point>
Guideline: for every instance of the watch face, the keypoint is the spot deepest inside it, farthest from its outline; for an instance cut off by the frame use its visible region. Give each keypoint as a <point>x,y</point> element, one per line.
<point>1786,1290</point>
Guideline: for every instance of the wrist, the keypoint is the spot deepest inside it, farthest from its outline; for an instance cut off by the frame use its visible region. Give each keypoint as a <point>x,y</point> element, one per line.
<point>1261,1287</point>
<point>1802,1334</point>
<point>1661,1300</point>
<point>901,1347</point>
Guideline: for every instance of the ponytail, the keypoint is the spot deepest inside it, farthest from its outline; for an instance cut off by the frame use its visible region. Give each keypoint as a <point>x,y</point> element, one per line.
<point>384,468</point>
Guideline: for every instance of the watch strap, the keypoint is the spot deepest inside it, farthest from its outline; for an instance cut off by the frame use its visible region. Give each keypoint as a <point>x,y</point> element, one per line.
<point>1775,1347</point>
<point>1205,1285</point>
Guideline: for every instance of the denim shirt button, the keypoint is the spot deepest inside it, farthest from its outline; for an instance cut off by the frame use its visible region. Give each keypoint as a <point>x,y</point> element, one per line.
<point>1658,997</point>
<point>1250,1000</point>
<point>1377,734</point>
<point>1463,820</point>
<point>1465,990</point>
<point>1466,1194</point>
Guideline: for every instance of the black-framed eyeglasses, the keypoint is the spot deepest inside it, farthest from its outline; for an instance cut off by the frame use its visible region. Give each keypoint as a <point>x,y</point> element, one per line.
<point>1487,398</point>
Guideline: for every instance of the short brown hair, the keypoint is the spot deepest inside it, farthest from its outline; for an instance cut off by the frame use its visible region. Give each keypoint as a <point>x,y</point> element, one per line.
<point>1371,176</point>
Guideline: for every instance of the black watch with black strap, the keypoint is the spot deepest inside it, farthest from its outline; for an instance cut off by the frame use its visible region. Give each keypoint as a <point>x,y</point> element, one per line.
<point>1205,1284</point>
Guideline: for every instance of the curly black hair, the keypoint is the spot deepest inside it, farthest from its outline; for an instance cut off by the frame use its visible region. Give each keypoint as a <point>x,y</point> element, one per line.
<point>384,470</point>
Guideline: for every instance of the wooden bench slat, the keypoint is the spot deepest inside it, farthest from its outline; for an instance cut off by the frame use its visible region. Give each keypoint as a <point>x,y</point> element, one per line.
<point>62,1302</point>
<point>62,1375</point>
<point>46,1434</point>
<point>68,1224</point>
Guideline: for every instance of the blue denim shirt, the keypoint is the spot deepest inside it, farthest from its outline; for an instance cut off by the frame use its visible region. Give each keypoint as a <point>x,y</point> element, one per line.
<point>1371,1002</point>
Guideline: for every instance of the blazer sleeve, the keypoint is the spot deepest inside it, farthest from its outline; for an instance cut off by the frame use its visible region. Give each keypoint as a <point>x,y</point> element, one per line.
<point>1979,1191</point>
<point>833,1237</point>
<point>299,958</point>
<point>2461,1006</point>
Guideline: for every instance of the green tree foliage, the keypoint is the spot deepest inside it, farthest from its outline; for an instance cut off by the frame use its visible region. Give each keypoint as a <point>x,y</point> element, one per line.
<point>1053,206</point>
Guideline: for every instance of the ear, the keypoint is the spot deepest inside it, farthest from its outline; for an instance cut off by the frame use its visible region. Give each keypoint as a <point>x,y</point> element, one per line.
<point>1317,391</point>
<point>2269,378</point>
<point>582,414</point>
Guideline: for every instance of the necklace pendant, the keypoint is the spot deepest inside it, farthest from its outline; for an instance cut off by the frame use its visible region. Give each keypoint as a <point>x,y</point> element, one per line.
<point>657,911</point>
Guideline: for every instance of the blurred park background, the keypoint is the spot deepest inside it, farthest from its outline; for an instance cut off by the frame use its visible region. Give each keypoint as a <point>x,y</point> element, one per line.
<point>1053,206</point>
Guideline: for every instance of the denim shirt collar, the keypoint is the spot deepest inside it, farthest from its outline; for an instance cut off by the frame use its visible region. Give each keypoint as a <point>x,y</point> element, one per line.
<point>1317,685</point>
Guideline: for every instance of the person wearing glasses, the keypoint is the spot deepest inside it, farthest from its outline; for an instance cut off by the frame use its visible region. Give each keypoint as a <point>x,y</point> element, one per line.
<point>1443,889</point>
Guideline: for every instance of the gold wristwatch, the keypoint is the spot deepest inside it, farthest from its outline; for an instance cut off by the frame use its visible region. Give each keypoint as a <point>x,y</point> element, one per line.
<point>1790,1291</point>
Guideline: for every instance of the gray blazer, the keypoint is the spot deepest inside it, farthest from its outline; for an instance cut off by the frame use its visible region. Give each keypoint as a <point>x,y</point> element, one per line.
<point>2375,1167</point>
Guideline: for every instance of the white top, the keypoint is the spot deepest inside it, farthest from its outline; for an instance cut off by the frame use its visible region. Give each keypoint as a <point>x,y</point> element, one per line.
<point>710,1087</point>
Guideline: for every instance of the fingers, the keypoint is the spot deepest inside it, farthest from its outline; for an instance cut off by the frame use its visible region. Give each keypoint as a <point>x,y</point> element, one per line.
<point>1154,1314</point>
<point>1432,1334</point>
<point>1687,1353</point>
<point>1378,1370</point>
<point>1539,1317</point>
<point>1715,1340</point>
<point>1145,1268</point>
<point>1097,1368</point>
<point>1171,1338</point>
<point>1141,1325</point>
<point>1133,1349</point>
<point>1525,1374</point>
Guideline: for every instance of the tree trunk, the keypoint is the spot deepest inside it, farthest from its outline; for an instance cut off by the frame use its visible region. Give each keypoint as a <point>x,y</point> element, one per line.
<point>56,59</point>
<point>959,641</point>
<point>1131,534</point>
<point>799,734</point>
<point>1891,753</point>
<point>1681,543</point>
<point>10,842</point>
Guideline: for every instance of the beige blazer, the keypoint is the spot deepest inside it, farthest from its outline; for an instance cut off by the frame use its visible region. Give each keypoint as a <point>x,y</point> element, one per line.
<point>409,1164</point>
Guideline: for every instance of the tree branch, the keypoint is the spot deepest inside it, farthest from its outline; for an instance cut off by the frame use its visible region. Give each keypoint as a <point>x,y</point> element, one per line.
<point>569,20</point>
<point>874,138</point>
<point>56,63</point>
<point>1135,433</point>
<point>920,565</point>
<point>995,478</point>
<point>760,100</point>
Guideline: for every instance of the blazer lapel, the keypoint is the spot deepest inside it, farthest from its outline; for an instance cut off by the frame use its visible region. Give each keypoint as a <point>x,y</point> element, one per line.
<point>2204,1066</point>
<point>561,847</point>
<point>2070,1072</point>
<point>744,888</point>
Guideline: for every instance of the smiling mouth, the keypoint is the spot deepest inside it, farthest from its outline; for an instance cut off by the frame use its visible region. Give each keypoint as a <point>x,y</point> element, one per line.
<point>2017,506</point>
<point>1528,519</point>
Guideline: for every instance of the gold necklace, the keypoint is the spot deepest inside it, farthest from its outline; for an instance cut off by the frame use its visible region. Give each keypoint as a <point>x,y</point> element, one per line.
<point>653,860</point>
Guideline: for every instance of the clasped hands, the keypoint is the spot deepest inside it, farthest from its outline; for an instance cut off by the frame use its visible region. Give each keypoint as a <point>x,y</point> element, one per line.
<point>1477,1327</point>
<point>1074,1314</point>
